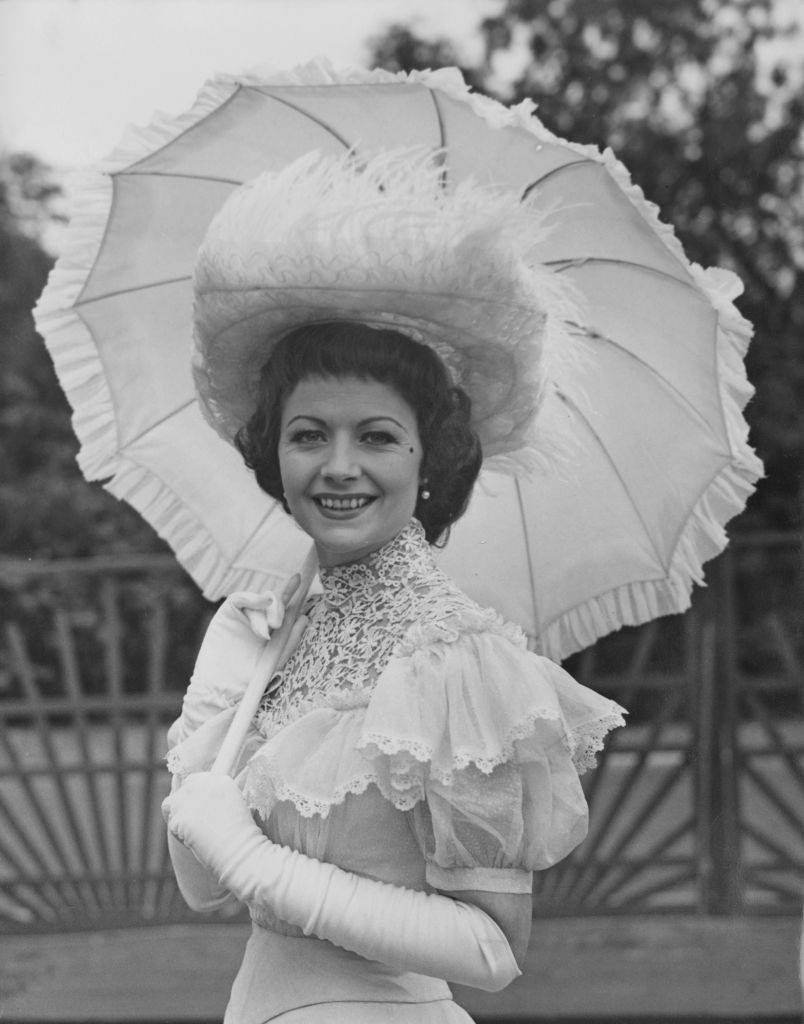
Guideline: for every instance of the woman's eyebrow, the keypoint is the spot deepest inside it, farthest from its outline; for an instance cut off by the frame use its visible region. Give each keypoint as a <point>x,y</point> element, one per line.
<point>383,416</point>
<point>306,416</point>
<point>363,423</point>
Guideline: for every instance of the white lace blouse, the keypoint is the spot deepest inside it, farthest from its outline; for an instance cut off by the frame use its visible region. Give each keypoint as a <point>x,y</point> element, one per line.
<point>413,737</point>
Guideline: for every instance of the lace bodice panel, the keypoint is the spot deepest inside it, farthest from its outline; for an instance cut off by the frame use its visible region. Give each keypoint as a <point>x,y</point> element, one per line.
<point>358,623</point>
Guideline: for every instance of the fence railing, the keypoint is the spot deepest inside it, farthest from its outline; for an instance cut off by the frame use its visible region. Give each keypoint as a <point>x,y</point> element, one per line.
<point>696,806</point>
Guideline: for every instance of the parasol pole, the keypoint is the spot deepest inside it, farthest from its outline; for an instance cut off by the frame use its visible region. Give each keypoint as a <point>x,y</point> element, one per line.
<point>276,652</point>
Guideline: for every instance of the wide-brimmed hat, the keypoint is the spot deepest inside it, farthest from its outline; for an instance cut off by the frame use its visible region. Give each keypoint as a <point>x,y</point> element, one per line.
<point>389,244</point>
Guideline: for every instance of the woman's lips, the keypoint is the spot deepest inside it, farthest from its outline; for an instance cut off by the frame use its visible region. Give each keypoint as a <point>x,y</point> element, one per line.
<point>343,503</point>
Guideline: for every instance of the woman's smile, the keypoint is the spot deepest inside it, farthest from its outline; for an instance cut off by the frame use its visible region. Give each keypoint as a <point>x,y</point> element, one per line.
<point>343,503</point>
<point>349,455</point>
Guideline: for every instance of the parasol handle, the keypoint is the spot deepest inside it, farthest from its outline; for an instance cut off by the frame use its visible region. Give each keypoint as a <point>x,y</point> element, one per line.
<point>278,647</point>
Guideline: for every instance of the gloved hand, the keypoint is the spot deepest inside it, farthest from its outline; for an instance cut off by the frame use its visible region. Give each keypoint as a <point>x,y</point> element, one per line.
<point>197,883</point>
<point>405,929</point>
<point>233,643</point>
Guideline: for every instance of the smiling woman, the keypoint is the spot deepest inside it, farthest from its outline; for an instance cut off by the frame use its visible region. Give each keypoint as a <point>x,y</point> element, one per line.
<point>412,763</point>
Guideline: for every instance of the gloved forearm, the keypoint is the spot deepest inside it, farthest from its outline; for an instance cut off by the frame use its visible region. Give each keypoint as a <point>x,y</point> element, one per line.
<point>403,928</point>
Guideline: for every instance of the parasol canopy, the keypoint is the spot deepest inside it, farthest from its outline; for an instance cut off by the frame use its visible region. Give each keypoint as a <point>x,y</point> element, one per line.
<point>660,460</point>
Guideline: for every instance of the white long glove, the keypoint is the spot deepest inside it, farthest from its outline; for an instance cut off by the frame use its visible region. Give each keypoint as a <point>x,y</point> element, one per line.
<point>405,929</point>
<point>232,645</point>
<point>198,885</point>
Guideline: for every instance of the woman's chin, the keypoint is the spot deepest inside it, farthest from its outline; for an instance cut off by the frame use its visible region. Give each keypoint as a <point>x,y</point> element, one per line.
<point>337,549</point>
<point>349,537</point>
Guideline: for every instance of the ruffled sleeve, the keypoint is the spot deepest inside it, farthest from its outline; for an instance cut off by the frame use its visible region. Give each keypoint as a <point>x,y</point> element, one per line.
<point>492,739</point>
<point>479,739</point>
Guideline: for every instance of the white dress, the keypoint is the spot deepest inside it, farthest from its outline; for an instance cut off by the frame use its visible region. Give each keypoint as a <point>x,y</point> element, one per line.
<point>411,738</point>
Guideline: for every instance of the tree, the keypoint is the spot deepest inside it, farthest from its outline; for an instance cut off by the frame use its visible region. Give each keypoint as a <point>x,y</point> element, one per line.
<point>48,509</point>
<point>711,127</point>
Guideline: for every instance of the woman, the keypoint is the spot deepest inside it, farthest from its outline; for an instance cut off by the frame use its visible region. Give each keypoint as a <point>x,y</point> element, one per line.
<point>413,763</point>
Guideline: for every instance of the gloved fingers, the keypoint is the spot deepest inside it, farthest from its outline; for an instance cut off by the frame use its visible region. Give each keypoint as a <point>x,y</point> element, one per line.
<point>262,612</point>
<point>203,799</point>
<point>209,816</point>
<point>208,788</point>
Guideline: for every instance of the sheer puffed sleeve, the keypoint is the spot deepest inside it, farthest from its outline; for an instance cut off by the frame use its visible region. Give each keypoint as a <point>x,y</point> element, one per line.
<point>491,739</point>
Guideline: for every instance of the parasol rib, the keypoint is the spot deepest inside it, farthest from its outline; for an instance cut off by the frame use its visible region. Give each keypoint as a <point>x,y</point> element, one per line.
<point>553,171</point>
<point>442,132</point>
<point>566,262</point>
<point>682,398</point>
<point>727,460</point>
<point>180,135</point>
<point>682,526</point>
<point>129,173</point>
<point>306,113</point>
<point>526,540</point>
<point>158,423</point>
<point>442,136</point>
<point>131,291</point>
<point>585,420</point>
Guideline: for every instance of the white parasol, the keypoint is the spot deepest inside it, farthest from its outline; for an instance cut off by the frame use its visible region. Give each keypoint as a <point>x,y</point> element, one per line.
<point>661,460</point>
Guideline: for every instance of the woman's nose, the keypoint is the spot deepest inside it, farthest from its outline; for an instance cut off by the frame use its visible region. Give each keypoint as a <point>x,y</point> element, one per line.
<point>341,462</point>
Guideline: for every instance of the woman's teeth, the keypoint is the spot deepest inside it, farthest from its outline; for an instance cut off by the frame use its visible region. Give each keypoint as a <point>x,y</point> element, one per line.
<point>342,504</point>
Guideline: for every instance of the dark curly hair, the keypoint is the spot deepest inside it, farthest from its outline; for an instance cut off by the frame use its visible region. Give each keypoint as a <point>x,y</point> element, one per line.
<point>451,450</point>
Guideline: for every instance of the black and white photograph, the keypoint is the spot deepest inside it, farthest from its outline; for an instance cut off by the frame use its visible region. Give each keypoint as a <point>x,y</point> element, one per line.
<point>401,511</point>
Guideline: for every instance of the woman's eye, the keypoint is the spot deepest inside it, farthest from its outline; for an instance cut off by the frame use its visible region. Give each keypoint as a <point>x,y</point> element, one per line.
<point>378,437</point>
<point>307,436</point>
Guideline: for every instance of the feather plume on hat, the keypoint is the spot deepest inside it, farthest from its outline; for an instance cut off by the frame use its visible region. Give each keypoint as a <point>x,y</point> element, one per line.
<point>392,244</point>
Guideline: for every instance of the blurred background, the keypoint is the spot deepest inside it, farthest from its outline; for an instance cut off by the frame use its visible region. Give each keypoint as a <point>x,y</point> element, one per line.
<point>683,901</point>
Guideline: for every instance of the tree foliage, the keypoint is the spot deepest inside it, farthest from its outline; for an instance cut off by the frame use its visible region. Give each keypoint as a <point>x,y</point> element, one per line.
<point>47,509</point>
<point>710,123</point>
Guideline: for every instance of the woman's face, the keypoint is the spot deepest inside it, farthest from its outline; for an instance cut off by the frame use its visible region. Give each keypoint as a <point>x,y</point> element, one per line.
<point>349,455</point>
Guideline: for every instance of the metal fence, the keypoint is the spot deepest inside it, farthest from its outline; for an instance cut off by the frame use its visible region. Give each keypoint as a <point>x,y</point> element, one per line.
<point>699,806</point>
<point>696,806</point>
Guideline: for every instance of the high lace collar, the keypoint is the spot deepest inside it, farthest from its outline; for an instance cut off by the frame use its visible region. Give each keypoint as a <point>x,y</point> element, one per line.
<point>397,563</point>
